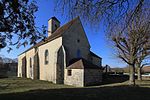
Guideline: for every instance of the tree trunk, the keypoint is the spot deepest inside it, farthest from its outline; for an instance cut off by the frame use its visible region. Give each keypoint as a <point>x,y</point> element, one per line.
<point>139,73</point>
<point>132,75</point>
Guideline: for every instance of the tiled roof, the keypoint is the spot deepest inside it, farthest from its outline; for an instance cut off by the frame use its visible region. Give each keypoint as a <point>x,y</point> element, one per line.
<point>80,63</point>
<point>146,69</point>
<point>56,34</point>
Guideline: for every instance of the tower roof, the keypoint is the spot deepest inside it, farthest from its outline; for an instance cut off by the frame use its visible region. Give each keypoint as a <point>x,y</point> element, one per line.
<point>54,18</point>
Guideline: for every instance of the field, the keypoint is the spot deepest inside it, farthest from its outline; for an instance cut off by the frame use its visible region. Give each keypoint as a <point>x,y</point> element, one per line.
<point>26,89</point>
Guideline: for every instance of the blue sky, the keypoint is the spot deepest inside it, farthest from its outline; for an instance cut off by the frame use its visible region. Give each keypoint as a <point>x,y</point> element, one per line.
<point>97,39</point>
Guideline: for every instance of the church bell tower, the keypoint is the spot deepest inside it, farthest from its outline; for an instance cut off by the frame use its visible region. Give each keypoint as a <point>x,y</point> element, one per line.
<point>53,25</point>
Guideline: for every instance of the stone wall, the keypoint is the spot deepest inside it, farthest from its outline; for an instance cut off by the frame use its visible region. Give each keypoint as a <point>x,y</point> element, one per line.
<point>75,41</point>
<point>29,69</point>
<point>76,79</point>
<point>29,66</point>
<point>20,57</point>
<point>52,26</point>
<point>48,71</point>
<point>96,61</point>
<point>92,76</point>
<point>3,70</point>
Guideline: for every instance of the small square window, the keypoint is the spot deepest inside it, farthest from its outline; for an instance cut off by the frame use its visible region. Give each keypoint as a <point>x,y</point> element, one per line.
<point>46,62</point>
<point>69,72</point>
<point>78,40</point>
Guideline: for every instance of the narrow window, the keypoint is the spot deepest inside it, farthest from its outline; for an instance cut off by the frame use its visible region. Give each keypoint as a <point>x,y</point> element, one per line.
<point>55,26</point>
<point>78,53</point>
<point>69,72</point>
<point>31,67</point>
<point>30,62</point>
<point>46,56</point>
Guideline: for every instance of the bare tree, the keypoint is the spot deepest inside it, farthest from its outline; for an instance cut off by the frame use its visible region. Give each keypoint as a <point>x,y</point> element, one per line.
<point>143,56</point>
<point>124,44</point>
<point>95,11</point>
<point>142,26</point>
<point>140,64</point>
<point>17,20</point>
<point>132,43</point>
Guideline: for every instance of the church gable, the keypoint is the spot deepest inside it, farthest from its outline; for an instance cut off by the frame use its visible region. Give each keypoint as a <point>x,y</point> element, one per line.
<point>76,33</point>
<point>75,41</point>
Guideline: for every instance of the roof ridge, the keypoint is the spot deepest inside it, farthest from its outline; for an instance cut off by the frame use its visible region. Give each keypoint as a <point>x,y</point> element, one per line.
<point>55,35</point>
<point>82,63</point>
<point>93,54</point>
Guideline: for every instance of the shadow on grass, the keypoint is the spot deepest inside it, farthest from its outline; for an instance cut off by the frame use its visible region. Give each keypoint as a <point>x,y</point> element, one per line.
<point>96,93</point>
<point>4,86</point>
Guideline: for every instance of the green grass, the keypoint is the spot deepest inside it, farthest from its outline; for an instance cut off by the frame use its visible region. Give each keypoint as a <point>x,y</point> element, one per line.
<point>26,89</point>
<point>11,85</point>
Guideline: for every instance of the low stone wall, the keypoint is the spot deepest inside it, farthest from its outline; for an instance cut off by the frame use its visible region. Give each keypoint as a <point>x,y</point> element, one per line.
<point>8,70</point>
<point>92,76</point>
<point>145,77</point>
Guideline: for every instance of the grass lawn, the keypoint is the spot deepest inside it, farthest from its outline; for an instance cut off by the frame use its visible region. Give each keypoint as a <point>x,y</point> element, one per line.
<point>26,89</point>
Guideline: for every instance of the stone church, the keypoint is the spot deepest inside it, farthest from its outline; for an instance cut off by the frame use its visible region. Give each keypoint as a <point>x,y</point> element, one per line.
<point>64,57</point>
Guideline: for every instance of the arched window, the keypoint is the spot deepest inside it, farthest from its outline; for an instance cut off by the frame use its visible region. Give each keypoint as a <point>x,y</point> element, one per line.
<point>46,56</point>
<point>78,53</point>
<point>31,67</point>
<point>30,62</point>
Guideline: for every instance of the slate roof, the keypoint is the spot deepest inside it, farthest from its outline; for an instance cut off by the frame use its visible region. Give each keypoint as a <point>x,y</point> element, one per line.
<point>56,34</point>
<point>81,63</point>
<point>93,54</point>
<point>54,18</point>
